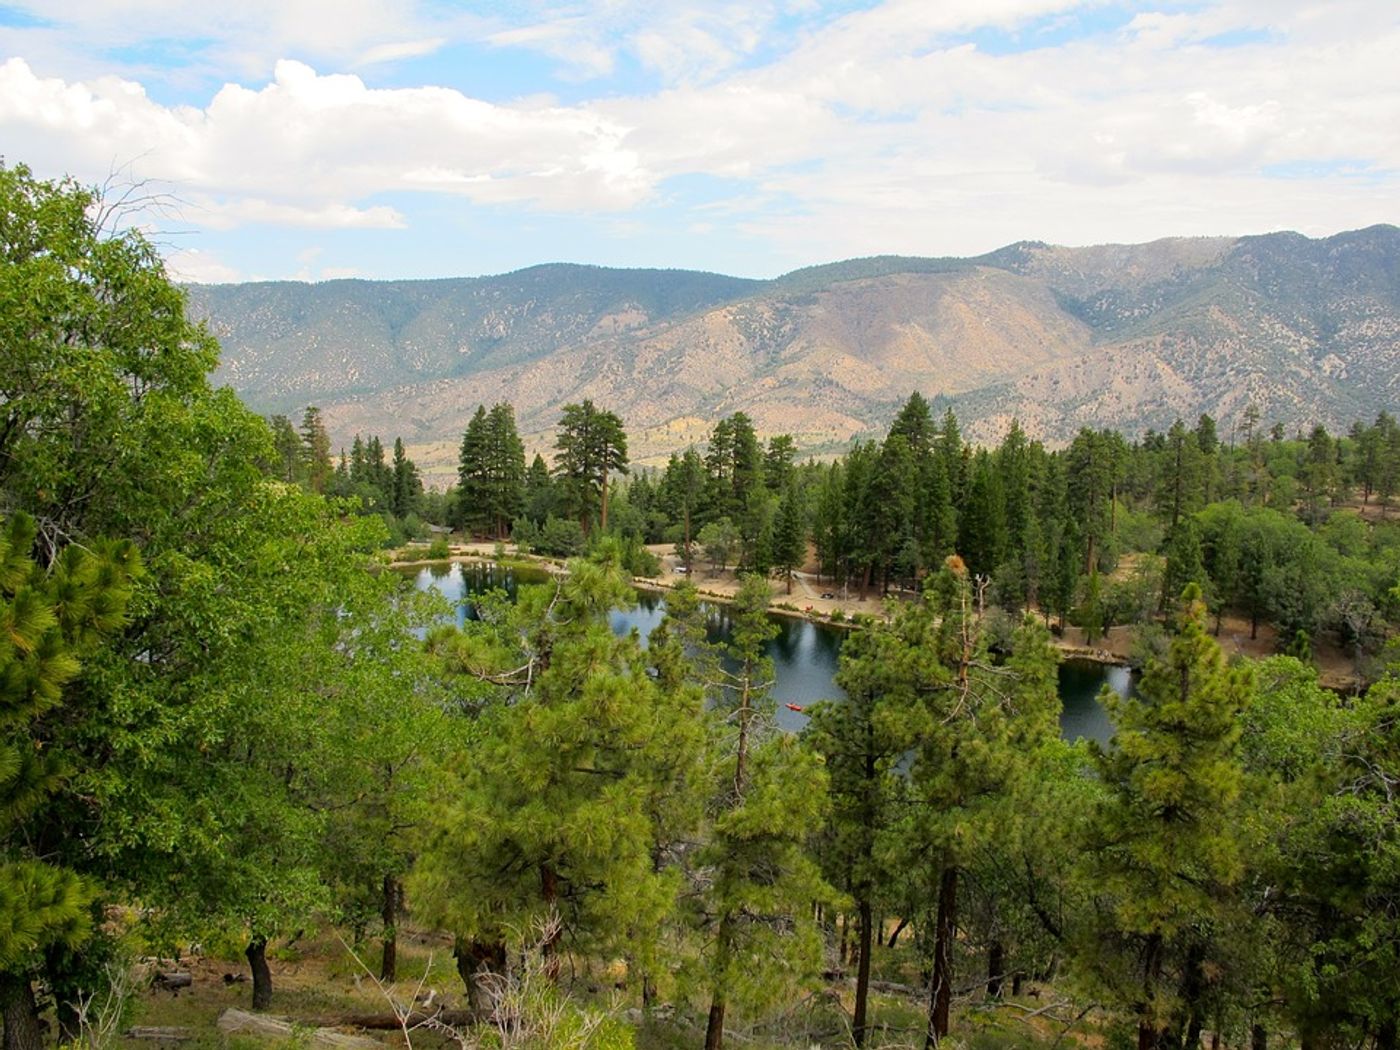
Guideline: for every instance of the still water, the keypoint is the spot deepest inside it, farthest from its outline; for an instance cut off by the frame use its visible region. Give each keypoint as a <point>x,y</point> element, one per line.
<point>804,654</point>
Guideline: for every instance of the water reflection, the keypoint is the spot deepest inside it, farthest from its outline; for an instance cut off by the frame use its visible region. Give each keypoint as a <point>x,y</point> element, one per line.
<point>805,654</point>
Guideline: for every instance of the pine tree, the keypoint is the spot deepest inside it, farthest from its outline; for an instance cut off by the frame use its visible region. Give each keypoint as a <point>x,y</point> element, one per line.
<point>777,462</point>
<point>556,813</point>
<point>973,724</point>
<point>288,445</point>
<point>592,444</point>
<point>539,491</point>
<point>790,533</point>
<point>408,486</point>
<point>768,800</point>
<point>1180,485</point>
<point>473,474</point>
<point>316,449</point>
<point>1165,841</point>
<point>50,621</point>
<point>861,740</point>
<point>682,489</point>
<point>506,469</point>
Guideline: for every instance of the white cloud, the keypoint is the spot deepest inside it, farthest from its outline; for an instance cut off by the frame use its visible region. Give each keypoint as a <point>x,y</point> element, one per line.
<point>200,267</point>
<point>881,129</point>
<point>246,38</point>
<point>303,148</point>
<point>397,51</point>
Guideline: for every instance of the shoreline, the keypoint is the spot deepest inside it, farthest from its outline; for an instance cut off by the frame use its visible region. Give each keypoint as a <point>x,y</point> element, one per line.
<point>1113,650</point>
<point>1067,648</point>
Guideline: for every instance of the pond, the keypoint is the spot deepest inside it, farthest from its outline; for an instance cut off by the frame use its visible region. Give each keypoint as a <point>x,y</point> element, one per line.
<point>804,653</point>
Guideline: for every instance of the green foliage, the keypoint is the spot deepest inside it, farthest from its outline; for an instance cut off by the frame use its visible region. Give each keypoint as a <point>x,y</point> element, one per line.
<point>48,623</point>
<point>1165,844</point>
<point>491,476</point>
<point>592,445</point>
<point>554,814</point>
<point>768,797</point>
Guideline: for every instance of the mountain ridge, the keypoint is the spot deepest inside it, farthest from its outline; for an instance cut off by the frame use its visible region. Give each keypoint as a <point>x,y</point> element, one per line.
<point>1130,335</point>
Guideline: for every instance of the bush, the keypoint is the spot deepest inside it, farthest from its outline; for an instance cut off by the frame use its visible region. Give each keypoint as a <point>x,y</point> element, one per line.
<point>561,538</point>
<point>439,549</point>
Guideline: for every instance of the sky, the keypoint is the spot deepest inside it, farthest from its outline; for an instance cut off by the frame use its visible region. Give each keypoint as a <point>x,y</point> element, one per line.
<point>320,139</point>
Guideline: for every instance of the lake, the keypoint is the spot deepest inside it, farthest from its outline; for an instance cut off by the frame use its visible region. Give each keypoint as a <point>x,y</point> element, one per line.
<point>804,653</point>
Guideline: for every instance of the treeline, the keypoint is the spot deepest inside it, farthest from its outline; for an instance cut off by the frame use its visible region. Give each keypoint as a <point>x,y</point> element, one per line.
<point>390,487</point>
<point>1104,532</point>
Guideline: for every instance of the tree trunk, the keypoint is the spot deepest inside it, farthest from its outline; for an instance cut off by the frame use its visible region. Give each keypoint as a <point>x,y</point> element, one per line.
<point>1385,1035</point>
<point>898,929</point>
<point>687,539</point>
<point>1016,979</point>
<point>256,953</point>
<point>867,942</point>
<point>604,523</point>
<point>1192,989</point>
<point>60,969</point>
<point>549,890</point>
<point>996,964</point>
<point>393,895</point>
<point>714,1028</point>
<point>478,965</point>
<point>21,1014</point>
<point>1258,1038</point>
<point>1149,1035</point>
<point>941,985</point>
<point>1193,1030</point>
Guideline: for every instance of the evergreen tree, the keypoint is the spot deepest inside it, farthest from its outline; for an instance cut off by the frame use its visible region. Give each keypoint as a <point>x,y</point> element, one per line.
<point>971,724</point>
<point>914,423</point>
<point>1090,481</point>
<point>790,533</point>
<point>473,474</point>
<point>408,487</point>
<point>1165,842</point>
<point>288,444</point>
<point>592,445</point>
<point>767,801</point>
<point>1185,561</point>
<point>51,620</point>
<point>505,497</point>
<point>539,491</point>
<point>829,526</point>
<point>556,812</point>
<point>316,449</point>
<point>861,740</point>
<point>777,462</point>
<point>682,489</point>
<point>983,540</point>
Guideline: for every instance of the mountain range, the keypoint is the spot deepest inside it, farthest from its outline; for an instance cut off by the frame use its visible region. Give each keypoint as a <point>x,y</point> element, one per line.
<point>1128,336</point>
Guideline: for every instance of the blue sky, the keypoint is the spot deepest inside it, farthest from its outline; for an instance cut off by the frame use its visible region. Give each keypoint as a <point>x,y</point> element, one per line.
<point>317,139</point>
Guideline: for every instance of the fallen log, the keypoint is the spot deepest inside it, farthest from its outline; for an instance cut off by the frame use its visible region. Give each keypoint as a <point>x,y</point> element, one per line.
<point>241,1022</point>
<point>159,1034</point>
<point>390,1022</point>
<point>172,980</point>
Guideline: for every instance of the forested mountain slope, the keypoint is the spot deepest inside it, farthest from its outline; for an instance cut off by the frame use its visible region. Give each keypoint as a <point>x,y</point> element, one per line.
<point>1123,335</point>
